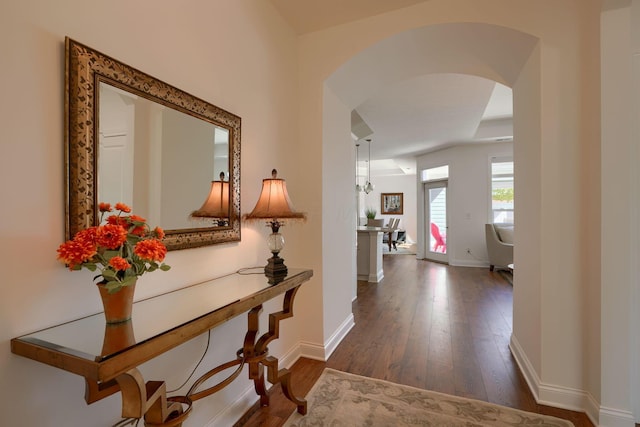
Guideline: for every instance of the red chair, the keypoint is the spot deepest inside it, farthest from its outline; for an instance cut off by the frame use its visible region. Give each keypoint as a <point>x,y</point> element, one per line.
<point>440,245</point>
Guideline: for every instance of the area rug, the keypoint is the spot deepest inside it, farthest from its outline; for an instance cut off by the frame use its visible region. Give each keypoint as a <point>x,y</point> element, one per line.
<point>401,249</point>
<point>342,399</point>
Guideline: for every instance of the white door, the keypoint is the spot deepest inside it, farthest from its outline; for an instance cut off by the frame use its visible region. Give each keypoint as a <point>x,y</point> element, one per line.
<point>115,168</point>
<point>115,154</point>
<point>435,196</point>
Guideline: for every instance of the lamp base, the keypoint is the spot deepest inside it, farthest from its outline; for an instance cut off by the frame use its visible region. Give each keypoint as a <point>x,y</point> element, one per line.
<point>275,270</point>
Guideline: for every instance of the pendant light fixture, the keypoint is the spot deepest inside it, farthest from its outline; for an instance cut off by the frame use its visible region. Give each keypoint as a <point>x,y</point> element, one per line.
<point>358,186</point>
<point>368,186</point>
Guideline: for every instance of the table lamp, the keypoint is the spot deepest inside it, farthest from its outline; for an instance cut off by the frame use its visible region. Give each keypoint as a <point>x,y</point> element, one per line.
<point>274,206</point>
<point>216,206</point>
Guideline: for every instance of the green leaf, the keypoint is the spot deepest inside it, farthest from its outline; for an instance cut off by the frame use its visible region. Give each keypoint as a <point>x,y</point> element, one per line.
<point>110,254</point>
<point>108,274</point>
<point>90,266</point>
<point>128,281</point>
<point>165,267</point>
<point>112,286</point>
<point>138,269</point>
<point>132,239</point>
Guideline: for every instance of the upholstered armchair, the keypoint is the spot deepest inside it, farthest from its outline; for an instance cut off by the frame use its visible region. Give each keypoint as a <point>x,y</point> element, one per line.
<point>499,245</point>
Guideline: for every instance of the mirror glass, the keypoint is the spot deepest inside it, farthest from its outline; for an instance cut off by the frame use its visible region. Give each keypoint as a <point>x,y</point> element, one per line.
<point>143,149</point>
<point>134,139</point>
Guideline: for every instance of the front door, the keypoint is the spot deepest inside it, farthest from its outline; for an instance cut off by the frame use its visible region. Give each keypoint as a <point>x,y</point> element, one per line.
<point>436,226</point>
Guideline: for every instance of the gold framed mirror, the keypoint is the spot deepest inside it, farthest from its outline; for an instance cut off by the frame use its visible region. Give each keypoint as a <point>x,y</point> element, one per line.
<point>134,139</point>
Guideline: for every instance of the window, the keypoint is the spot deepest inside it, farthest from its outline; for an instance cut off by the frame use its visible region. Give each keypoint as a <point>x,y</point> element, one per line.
<point>502,190</point>
<point>435,174</point>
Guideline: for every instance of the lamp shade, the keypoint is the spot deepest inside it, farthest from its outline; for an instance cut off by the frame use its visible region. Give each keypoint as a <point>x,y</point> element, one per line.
<point>274,202</point>
<point>217,204</point>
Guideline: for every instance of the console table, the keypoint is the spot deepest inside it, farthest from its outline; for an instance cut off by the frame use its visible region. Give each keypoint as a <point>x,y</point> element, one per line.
<point>107,356</point>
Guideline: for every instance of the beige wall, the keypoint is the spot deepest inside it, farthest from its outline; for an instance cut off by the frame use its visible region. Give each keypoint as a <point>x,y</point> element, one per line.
<point>237,54</point>
<point>527,318</point>
<point>338,221</point>
<point>558,132</point>
<point>619,201</point>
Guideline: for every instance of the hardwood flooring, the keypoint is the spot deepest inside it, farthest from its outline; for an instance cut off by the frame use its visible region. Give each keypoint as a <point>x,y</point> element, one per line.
<point>426,325</point>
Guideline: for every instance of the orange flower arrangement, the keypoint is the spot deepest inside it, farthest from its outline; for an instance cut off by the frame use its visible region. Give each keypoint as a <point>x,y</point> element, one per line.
<point>122,249</point>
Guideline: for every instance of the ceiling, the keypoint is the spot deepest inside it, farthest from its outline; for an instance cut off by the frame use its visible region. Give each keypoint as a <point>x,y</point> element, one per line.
<point>414,113</point>
<point>306,16</point>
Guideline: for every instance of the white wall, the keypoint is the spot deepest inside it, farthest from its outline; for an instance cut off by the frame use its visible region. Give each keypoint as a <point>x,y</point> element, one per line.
<point>405,184</point>
<point>552,338</point>
<point>250,64</point>
<point>237,54</point>
<point>338,222</point>
<point>468,197</point>
<point>527,165</point>
<point>619,233</point>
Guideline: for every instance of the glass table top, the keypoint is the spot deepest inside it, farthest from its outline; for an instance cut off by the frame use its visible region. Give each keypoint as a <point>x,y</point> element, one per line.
<point>92,339</point>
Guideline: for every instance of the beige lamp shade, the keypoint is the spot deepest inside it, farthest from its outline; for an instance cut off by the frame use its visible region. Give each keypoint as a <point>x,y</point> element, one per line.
<point>274,206</point>
<point>217,204</point>
<point>274,202</point>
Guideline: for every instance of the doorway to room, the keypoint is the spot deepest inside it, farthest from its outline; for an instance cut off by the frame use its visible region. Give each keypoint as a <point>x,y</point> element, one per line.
<point>346,90</point>
<point>435,197</point>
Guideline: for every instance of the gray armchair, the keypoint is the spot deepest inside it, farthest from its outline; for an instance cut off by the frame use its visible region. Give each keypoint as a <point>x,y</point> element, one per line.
<point>499,245</point>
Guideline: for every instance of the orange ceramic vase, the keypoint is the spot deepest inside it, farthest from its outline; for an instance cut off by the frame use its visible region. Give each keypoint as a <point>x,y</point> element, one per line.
<point>118,305</point>
<point>117,337</point>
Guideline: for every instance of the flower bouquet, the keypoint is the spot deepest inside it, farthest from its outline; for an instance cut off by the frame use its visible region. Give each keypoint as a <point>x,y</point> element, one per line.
<point>122,248</point>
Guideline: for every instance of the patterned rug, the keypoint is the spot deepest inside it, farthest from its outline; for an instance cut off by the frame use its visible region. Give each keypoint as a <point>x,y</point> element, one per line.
<point>342,399</point>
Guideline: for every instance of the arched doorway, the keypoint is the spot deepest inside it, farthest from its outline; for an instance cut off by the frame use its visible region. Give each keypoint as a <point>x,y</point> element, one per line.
<point>556,128</point>
<point>488,51</point>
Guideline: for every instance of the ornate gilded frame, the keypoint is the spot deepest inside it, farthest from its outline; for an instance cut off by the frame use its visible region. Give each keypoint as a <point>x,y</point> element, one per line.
<point>85,69</point>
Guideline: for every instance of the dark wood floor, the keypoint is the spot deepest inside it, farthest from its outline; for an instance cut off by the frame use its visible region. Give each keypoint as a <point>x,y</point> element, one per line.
<point>430,326</point>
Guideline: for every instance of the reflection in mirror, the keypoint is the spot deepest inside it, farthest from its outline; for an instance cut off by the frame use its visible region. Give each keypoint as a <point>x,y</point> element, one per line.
<point>132,138</point>
<point>143,150</point>
<point>216,208</point>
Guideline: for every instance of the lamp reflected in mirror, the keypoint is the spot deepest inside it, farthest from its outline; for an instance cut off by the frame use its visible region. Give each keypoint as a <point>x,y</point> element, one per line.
<point>274,206</point>
<point>216,206</point>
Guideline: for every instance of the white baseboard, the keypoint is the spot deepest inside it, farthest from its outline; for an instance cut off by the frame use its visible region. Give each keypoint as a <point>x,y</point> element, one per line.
<point>311,351</point>
<point>592,409</point>
<point>553,395</point>
<point>611,417</point>
<point>563,397</point>
<point>290,357</point>
<point>373,277</point>
<point>317,352</point>
<point>337,337</point>
<point>467,263</point>
<point>530,375</point>
<point>232,413</point>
